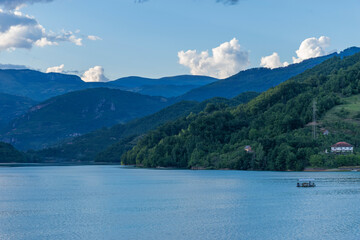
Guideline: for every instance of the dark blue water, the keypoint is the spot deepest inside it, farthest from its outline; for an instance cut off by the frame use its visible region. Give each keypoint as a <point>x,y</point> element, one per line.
<point>109,202</point>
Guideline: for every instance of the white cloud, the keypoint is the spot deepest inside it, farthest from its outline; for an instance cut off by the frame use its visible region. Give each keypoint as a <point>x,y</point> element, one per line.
<point>95,74</point>
<point>309,48</point>
<point>272,61</point>
<point>94,38</point>
<point>56,69</point>
<point>45,42</point>
<point>312,47</point>
<point>18,30</point>
<point>226,60</point>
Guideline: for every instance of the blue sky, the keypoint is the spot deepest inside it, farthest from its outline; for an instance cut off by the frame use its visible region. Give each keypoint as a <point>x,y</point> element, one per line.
<point>144,39</point>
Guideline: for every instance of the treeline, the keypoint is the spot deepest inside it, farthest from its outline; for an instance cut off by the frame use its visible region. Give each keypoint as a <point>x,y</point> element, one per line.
<point>334,161</point>
<point>8,154</point>
<point>273,124</point>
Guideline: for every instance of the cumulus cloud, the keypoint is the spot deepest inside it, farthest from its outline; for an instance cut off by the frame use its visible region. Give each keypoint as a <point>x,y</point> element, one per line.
<point>93,38</point>
<point>15,4</point>
<point>56,69</point>
<point>272,61</point>
<point>95,74</point>
<point>312,47</point>
<point>45,42</point>
<point>309,48</point>
<point>226,60</point>
<point>18,30</point>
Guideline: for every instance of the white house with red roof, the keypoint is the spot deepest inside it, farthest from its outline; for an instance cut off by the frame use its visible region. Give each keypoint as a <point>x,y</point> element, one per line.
<point>342,147</point>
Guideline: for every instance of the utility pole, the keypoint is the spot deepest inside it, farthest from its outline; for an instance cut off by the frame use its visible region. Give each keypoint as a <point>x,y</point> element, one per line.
<point>314,119</point>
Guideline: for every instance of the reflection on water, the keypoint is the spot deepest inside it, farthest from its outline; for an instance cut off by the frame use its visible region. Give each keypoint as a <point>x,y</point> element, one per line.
<point>110,202</point>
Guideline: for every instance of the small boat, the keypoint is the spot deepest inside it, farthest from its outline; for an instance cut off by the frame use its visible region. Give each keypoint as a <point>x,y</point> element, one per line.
<point>306,182</point>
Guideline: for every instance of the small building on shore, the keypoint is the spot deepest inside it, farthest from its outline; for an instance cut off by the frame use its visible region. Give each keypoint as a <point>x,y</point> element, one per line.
<point>342,148</point>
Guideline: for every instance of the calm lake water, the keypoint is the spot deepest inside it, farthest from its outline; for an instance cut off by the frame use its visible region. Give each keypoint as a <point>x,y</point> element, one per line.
<point>111,202</point>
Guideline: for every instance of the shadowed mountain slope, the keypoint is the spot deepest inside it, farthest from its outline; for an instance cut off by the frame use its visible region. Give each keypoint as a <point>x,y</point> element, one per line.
<point>76,113</point>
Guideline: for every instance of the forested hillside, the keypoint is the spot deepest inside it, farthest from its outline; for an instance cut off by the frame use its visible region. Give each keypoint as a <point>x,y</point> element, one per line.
<point>8,154</point>
<point>124,136</point>
<point>275,125</point>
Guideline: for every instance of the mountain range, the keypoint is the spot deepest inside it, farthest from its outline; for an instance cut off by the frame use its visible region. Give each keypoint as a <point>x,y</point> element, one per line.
<point>73,107</point>
<point>42,86</point>
<point>76,113</point>
<point>257,79</point>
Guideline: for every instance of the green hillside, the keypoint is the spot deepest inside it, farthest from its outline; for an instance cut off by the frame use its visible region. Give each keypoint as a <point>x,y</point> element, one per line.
<point>86,147</point>
<point>76,113</point>
<point>275,125</point>
<point>8,154</point>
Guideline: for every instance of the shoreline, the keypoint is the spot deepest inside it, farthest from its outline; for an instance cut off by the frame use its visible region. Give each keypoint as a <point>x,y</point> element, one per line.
<point>44,164</point>
<point>340,169</point>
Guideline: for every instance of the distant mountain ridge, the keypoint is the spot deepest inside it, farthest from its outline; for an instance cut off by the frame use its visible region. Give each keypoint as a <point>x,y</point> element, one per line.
<point>257,79</point>
<point>41,86</point>
<point>166,86</point>
<point>76,113</point>
<point>181,80</point>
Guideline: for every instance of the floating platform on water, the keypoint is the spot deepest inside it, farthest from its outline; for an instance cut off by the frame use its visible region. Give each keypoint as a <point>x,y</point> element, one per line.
<point>306,182</point>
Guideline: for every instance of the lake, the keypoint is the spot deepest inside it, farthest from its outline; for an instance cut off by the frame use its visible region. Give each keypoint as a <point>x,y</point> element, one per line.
<point>113,202</point>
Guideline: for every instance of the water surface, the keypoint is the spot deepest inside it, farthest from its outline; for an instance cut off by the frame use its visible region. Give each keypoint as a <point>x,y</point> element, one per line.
<point>110,202</point>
